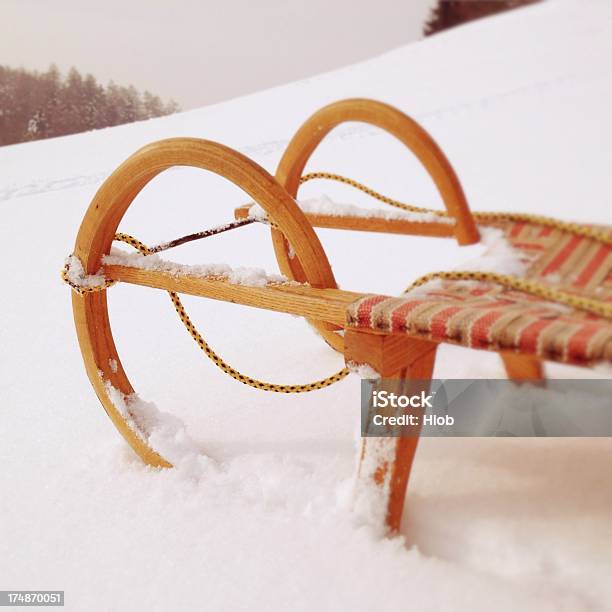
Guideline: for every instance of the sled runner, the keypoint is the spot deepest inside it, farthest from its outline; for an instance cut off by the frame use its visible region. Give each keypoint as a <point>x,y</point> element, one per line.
<point>526,320</point>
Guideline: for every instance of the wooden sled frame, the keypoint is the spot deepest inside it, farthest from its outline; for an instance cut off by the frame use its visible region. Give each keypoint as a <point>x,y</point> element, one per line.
<point>385,117</point>
<point>414,360</point>
<point>100,224</point>
<point>414,137</point>
<point>385,462</point>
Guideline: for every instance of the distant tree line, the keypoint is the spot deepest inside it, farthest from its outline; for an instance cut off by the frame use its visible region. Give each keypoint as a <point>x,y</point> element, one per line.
<point>448,13</point>
<point>35,105</point>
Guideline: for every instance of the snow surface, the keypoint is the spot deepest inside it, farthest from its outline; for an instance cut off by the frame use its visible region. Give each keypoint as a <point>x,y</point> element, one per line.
<point>163,431</point>
<point>520,103</point>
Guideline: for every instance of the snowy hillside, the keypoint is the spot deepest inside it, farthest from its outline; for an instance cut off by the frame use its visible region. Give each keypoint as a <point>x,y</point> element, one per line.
<point>521,105</point>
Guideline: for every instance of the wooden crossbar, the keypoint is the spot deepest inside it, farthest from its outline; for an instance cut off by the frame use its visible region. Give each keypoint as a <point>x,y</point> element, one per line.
<point>372,224</point>
<point>320,304</point>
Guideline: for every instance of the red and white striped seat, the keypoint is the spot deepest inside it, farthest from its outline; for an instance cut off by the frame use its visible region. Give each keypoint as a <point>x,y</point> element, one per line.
<point>486,316</point>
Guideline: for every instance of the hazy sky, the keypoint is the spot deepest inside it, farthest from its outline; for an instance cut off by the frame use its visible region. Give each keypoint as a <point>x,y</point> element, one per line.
<point>199,52</point>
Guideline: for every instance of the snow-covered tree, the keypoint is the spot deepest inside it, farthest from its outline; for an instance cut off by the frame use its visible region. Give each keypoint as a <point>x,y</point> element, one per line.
<point>41,105</point>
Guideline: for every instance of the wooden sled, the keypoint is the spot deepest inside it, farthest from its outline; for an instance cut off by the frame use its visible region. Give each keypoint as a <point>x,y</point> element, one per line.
<point>376,330</point>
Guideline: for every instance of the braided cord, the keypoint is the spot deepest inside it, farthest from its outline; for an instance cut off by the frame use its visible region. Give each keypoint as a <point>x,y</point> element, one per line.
<point>143,249</point>
<point>83,289</point>
<point>545,292</point>
<point>603,236</point>
<point>541,290</point>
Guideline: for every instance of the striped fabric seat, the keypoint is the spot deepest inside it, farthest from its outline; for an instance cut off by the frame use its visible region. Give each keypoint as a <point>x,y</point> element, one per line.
<point>573,263</point>
<point>487,316</point>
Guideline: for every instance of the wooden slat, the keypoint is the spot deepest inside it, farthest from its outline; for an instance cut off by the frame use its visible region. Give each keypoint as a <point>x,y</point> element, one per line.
<point>321,304</point>
<point>306,140</point>
<point>372,224</point>
<point>386,353</point>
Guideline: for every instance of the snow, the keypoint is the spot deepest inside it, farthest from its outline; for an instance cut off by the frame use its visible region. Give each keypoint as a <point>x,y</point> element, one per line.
<point>161,430</point>
<point>323,205</point>
<point>499,255</point>
<point>520,104</point>
<point>363,370</point>
<point>75,273</point>
<point>252,277</point>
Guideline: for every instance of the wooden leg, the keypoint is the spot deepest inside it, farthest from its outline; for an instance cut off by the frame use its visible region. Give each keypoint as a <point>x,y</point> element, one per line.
<point>385,462</point>
<point>522,367</point>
